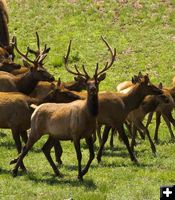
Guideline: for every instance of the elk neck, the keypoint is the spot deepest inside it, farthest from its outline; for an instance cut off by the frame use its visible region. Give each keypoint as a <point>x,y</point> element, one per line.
<point>92,104</point>
<point>150,104</point>
<point>26,83</point>
<point>133,98</point>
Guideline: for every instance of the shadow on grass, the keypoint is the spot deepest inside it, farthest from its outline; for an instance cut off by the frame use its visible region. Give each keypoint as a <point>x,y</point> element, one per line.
<point>4,171</point>
<point>2,135</point>
<point>11,145</point>
<point>53,180</point>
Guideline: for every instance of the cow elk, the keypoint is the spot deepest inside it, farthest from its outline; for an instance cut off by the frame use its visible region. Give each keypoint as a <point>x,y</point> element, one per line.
<point>72,121</point>
<point>166,112</point>
<point>16,112</point>
<point>114,108</point>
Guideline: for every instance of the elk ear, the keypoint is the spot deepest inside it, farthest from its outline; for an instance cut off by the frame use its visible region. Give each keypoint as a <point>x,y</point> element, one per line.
<point>101,77</point>
<point>140,74</point>
<point>135,79</point>
<point>26,64</point>
<point>146,79</point>
<point>160,86</point>
<point>59,83</point>
<point>79,79</point>
<point>47,50</point>
<point>52,86</point>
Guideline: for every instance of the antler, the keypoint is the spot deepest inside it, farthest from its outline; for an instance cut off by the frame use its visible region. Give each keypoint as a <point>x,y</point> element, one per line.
<point>108,65</point>
<point>38,60</point>
<point>39,51</point>
<point>77,73</point>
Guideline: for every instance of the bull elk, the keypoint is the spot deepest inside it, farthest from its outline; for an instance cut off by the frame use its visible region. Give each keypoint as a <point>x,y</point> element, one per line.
<point>26,82</point>
<point>72,121</point>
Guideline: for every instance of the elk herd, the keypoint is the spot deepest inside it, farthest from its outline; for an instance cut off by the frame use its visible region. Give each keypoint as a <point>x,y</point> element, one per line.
<point>33,104</point>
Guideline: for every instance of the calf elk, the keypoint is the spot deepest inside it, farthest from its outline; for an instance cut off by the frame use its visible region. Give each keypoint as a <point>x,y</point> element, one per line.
<point>71,121</point>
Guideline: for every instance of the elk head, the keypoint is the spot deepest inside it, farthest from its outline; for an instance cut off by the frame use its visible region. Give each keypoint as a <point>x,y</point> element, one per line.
<point>8,51</point>
<point>59,94</point>
<point>145,85</point>
<point>6,59</point>
<point>36,66</point>
<point>91,83</point>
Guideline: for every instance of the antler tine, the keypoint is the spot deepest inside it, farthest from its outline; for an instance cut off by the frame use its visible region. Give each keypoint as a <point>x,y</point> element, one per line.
<point>38,41</point>
<point>77,73</point>
<point>96,70</point>
<point>76,68</point>
<point>41,58</point>
<point>23,55</point>
<point>13,40</point>
<point>84,70</point>
<point>113,55</point>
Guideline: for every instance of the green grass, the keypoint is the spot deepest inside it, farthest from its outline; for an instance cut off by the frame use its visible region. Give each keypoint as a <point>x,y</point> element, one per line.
<point>144,36</point>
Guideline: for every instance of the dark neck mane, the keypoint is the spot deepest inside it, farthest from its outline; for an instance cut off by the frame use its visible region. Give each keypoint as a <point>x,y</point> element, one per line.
<point>26,83</point>
<point>92,104</point>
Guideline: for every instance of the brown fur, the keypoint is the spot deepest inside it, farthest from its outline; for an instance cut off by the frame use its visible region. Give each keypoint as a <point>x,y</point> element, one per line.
<point>71,121</point>
<point>166,112</point>
<point>16,112</point>
<point>4,34</point>
<point>114,108</point>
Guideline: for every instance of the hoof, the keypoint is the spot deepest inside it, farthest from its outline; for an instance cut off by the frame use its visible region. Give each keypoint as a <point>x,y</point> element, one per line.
<point>13,161</point>
<point>23,168</point>
<point>156,141</point>
<point>61,175</point>
<point>59,162</point>
<point>80,178</point>
<point>154,154</point>
<point>135,161</point>
<point>98,159</point>
<point>14,172</point>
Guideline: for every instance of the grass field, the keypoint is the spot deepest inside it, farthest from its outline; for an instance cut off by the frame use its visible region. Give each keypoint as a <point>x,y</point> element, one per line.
<point>144,36</point>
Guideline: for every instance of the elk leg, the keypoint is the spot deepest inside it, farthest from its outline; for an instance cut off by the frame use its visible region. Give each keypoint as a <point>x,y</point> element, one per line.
<point>158,120</point>
<point>89,142</point>
<point>126,142</point>
<point>46,150</point>
<point>79,157</point>
<point>31,141</point>
<point>150,116</point>
<point>112,138</point>
<point>94,136</point>
<point>24,136</point>
<point>134,133</point>
<point>16,137</point>
<point>169,127</point>
<point>140,125</point>
<point>104,139</point>
<point>58,152</point>
<point>99,133</point>
<point>129,127</point>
